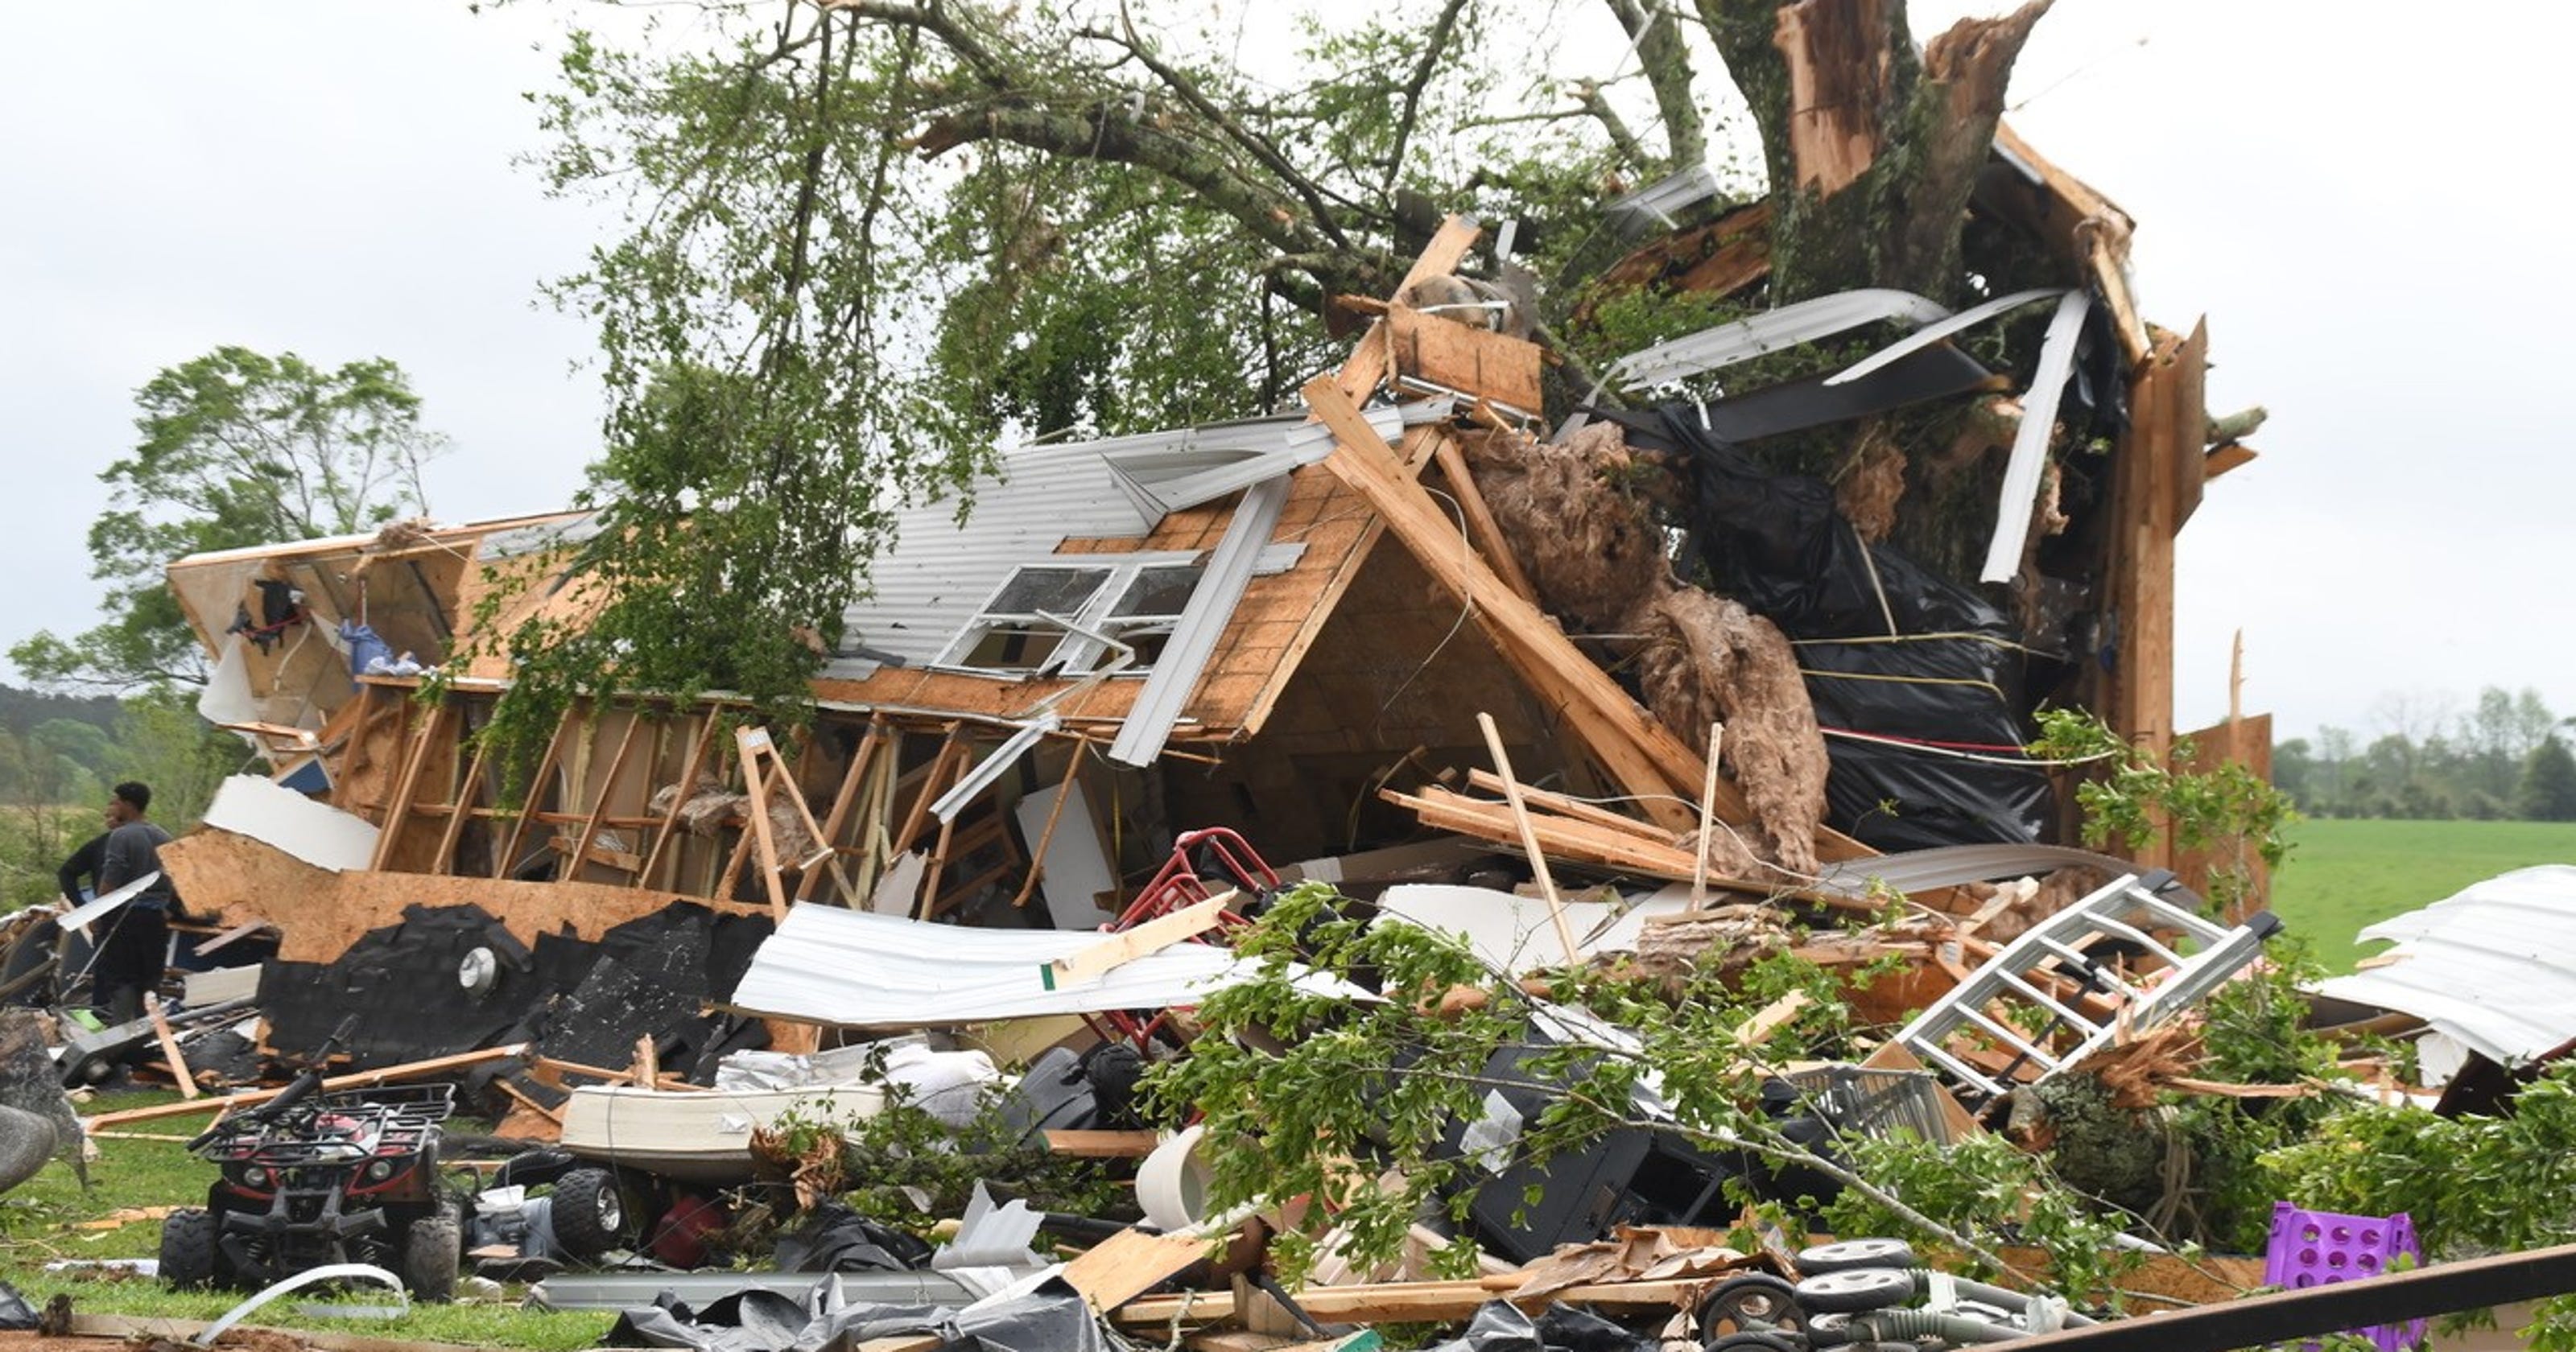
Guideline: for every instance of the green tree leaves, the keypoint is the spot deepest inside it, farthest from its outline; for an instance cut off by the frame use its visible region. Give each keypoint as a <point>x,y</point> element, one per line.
<point>234,448</point>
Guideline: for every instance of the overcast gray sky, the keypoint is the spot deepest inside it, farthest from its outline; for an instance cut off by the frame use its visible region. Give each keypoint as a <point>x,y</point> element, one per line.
<point>2357,197</point>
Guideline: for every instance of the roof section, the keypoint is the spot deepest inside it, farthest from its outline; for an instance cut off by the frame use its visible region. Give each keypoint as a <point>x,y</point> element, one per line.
<point>2486,966</point>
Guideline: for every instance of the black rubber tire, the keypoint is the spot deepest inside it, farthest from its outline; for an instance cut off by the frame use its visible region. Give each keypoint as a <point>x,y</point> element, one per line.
<point>1756,1302</point>
<point>433,1251</point>
<point>1856,1253</point>
<point>1854,1290</point>
<point>189,1253</point>
<point>589,1213</point>
<point>1756,1342</point>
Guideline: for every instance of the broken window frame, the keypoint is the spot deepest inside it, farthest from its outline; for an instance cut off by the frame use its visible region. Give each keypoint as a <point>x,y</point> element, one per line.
<point>1078,647</point>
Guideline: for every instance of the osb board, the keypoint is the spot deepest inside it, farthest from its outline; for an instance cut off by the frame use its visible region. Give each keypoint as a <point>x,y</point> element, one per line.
<point>227,878</point>
<point>1471,360</point>
<point>201,576</point>
<point>2247,742</point>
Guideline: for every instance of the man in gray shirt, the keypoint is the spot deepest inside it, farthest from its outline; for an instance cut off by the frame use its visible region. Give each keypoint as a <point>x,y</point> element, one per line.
<point>136,941</point>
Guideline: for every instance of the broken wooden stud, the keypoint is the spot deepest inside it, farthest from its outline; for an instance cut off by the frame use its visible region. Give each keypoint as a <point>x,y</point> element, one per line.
<point>1529,836</point>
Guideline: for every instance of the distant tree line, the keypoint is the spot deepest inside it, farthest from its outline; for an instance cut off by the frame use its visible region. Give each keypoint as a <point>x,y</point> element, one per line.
<point>60,753</point>
<point>2506,758</point>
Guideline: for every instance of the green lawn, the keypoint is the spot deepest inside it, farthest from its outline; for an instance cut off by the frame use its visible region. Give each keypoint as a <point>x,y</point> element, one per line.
<point>41,1221</point>
<point>2342,875</point>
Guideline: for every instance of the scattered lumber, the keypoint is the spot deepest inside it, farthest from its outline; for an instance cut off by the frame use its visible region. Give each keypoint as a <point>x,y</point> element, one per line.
<point>364,1079</point>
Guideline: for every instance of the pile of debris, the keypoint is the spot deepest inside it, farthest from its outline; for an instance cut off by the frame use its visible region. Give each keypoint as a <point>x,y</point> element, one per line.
<point>731,997</point>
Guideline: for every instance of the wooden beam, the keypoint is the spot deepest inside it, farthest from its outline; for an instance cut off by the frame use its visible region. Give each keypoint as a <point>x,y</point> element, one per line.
<point>363,1079</point>
<point>600,791</point>
<point>461,809</point>
<point>169,1046</point>
<point>688,785</point>
<point>1481,526</point>
<point>934,780</point>
<point>1642,758</point>
<point>535,791</point>
<point>838,819</point>
<point>399,810</point>
<point>1125,947</point>
<point>1467,358</point>
<point>1422,1302</point>
<point>2221,459</point>
<point>1055,813</point>
<point>747,744</point>
<point>1529,837</point>
<point>1102,1145</point>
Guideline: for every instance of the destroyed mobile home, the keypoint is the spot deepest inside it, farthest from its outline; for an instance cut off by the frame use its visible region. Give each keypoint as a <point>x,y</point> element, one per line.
<point>1039,833</point>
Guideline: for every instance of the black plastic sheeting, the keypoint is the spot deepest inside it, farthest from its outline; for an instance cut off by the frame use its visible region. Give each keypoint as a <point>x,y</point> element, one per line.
<point>1499,1327</point>
<point>15,1313</point>
<point>833,1238</point>
<point>1954,681</point>
<point>575,999</point>
<point>1052,1319</point>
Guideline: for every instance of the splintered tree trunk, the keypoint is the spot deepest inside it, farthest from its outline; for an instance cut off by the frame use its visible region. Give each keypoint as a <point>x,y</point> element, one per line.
<point>1872,150</point>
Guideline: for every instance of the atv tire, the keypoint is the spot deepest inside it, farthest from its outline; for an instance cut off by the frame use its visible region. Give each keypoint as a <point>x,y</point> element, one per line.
<point>433,1249</point>
<point>189,1255</point>
<point>589,1213</point>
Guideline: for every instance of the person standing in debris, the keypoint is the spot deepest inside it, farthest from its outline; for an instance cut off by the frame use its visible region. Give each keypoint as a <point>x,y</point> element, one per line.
<point>136,943</point>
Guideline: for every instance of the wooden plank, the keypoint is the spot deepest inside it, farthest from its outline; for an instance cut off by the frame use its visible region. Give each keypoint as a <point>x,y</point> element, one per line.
<point>1102,1145</point>
<point>688,783</point>
<point>748,742</point>
<point>1476,361</point>
<point>1640,757</point>
<point>1130,1263</point>
<point>1125,947</point>
<point>170,1047</point>
<point>513,1093</point>
<point>398,811</point>
<point>1528,835</point>
<point>2221,459</point>
<point>1055,813</point>
<point>535,789</point>
<point>1481,526</point>
<point>2246,742</point>
<point>155,1330</point>
<point>466,789</point>
<point>363,1079</point>
<point>2187,420</point>
<point>599,791</point>
<point>1566,805</point>
<point>2139,703</point>
<point>1417,1302</point>
<point>838,819</point>
<point>934,781</point>
<point>1373,356</point>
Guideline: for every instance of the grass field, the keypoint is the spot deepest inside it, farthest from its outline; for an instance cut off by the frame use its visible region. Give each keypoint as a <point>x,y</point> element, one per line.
<point>2343,875</point>
<point>49,1219</point>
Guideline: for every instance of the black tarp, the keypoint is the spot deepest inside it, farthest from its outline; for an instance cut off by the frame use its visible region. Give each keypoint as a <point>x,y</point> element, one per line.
<point>1945,688</point>
<point>575,999</point>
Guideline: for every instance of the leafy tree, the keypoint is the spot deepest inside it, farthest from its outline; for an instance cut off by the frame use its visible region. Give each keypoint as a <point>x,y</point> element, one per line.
<point>859,235</point>
<point>236,448</point>
<point>2548,791</point>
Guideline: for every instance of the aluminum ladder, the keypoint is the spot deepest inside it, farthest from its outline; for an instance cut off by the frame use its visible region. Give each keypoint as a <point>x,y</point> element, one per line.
<point>2007,1001</point>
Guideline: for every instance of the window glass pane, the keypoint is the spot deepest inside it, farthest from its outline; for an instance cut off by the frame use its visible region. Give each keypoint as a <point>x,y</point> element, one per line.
<point>1161,590</point>
<point>1059,591</point>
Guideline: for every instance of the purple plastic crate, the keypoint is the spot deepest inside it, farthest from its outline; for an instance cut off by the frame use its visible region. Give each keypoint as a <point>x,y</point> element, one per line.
<point>2319,1248</point>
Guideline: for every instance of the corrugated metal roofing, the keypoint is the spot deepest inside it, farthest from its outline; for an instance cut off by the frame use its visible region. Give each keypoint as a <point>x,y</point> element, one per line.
<point>828,965</point>
<point>939,572</point>
<point>2488,966</point>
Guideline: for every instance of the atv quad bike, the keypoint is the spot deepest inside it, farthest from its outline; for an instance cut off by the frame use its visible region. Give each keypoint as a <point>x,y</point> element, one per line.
<point>310,1179</point>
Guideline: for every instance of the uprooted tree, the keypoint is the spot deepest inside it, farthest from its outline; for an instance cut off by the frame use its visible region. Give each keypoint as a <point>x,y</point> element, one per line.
<point>865,236</point>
